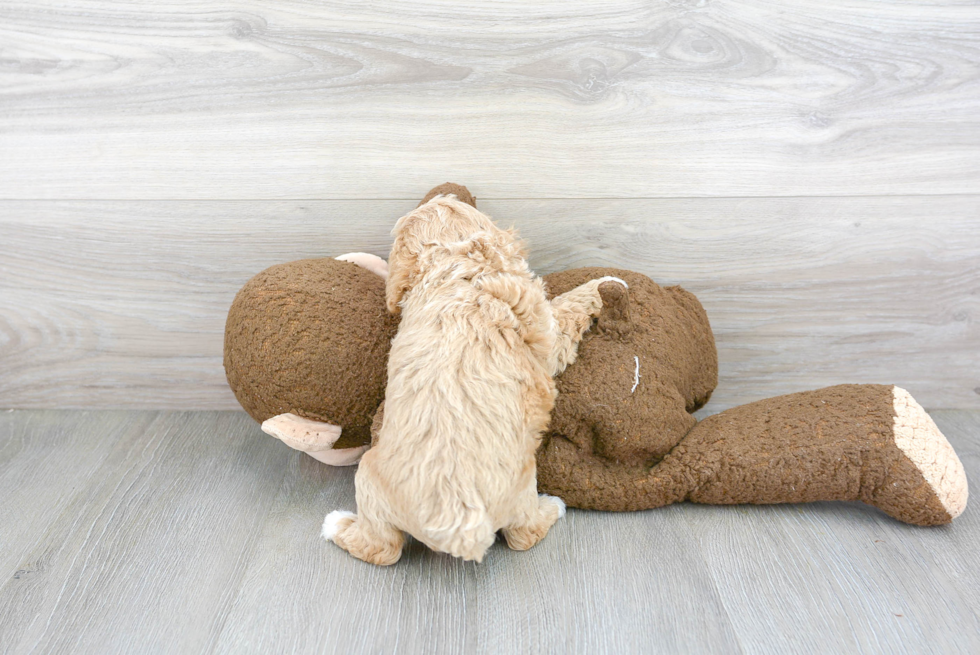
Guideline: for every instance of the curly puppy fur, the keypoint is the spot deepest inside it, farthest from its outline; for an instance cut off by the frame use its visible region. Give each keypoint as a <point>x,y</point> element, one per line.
<point>470,390</point>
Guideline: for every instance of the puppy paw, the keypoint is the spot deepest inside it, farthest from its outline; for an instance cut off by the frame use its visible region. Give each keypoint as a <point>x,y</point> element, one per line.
<point>524,535</point>
<point>553,500</point>
<point>335,522</point>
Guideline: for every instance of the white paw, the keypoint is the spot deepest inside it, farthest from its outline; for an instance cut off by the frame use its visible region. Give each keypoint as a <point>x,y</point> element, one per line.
<point>332,521</point>
<point>610,278</point>
<point>556,501</point>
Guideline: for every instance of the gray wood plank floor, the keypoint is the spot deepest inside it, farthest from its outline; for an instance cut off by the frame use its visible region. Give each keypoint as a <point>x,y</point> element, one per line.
<point>178,532</point>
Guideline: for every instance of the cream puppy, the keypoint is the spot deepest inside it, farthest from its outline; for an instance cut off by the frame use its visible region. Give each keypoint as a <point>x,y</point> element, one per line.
<point>470,390</point>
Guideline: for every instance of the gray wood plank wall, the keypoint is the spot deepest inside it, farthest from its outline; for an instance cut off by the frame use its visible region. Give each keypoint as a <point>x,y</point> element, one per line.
<point>811,171</point>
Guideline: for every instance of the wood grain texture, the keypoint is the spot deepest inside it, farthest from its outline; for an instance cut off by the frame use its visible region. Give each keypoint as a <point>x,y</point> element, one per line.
<point>105,99</point>
<point>300,597</point>
<point>180,532</point>
<point>46,460</point>
<point>602,584</point>
<point>847,572</point>
<point>951,555</point>
<point>122,304</point>
<point>841,571</point>
<point>151,547</point>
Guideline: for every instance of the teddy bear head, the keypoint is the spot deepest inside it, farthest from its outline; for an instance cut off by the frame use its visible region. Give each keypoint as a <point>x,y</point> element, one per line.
<point>311,338</point>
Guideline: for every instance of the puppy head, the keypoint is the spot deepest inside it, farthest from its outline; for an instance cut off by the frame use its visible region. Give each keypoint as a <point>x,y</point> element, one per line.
<point>441,229</point>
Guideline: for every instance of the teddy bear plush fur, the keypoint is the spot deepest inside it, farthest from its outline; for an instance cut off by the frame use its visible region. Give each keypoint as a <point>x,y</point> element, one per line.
<point>308,341</point>
<point>622,438</point>
<point>305,353</point>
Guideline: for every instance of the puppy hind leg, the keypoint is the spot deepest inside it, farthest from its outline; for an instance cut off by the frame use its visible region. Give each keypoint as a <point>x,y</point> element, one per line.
<point>372,541</point>
<point>366,535</point>
<point>540,513</point>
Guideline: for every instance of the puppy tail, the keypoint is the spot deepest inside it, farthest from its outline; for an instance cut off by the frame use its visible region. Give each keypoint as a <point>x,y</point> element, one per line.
<point>462,529</point>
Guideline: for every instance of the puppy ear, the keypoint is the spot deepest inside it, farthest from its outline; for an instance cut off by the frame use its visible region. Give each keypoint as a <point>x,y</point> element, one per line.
<point>511,243</point>
<point>403,267</point>
<point>500,249</point>
<point>479,247</point>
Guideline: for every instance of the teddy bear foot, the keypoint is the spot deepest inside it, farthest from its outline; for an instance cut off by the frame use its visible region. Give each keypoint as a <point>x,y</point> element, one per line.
<point>314,438</point>
<point>929,459</point>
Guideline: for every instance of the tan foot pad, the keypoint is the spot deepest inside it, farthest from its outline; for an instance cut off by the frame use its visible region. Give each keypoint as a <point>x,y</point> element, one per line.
<point>302,433</point>
<point>366,260</point>
<point>314,438</point>
<point>920,439</point>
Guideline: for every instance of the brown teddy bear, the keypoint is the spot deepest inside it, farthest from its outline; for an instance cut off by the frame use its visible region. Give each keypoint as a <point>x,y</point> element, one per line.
<point>306,348</point>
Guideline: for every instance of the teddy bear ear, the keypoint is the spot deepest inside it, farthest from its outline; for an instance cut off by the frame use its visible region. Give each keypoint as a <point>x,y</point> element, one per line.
<point>615,317</point>
<point>461,192</point>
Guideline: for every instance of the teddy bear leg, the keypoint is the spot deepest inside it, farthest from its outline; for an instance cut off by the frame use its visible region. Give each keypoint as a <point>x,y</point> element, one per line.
<point>366,535</point>
<point>864,442</point>
<point>538,514</point>
<point>574,311</point>
<point>314,438</point>
<point>924,481</point>
<point>587,481</point>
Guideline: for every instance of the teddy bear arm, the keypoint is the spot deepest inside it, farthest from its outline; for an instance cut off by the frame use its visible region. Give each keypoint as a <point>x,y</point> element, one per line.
<point>587,480</point>
<point>657,423</point>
